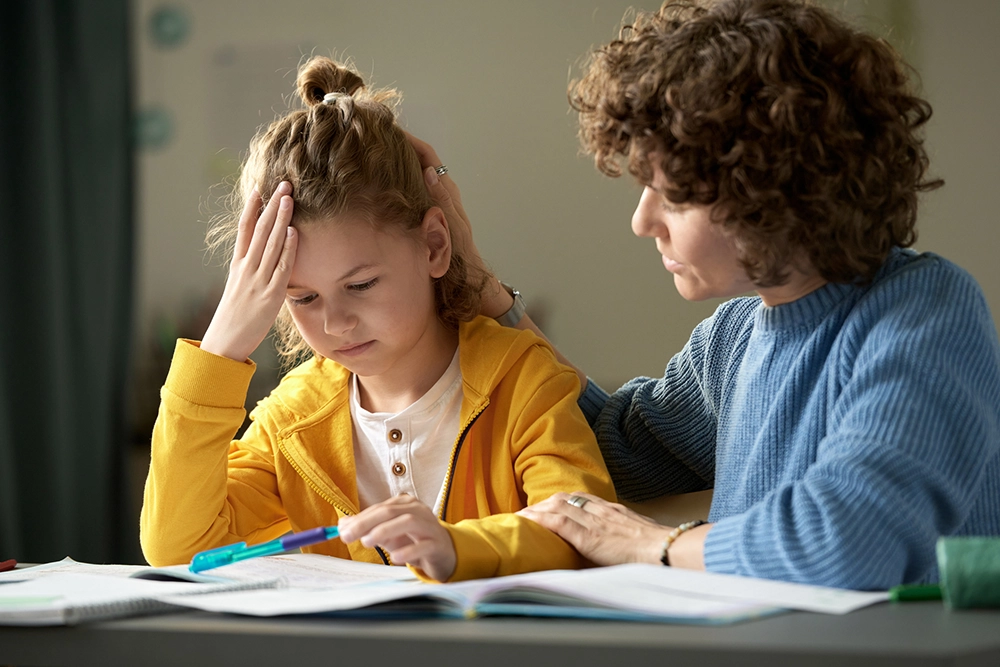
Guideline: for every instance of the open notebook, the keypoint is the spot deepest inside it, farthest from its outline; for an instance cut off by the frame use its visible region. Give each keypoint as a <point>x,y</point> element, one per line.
<point>623,592</point>
<point>67,592</point>
<point>311,584</point>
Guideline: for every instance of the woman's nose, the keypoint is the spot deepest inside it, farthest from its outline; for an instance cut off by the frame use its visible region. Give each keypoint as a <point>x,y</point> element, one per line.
<point>645,221</point>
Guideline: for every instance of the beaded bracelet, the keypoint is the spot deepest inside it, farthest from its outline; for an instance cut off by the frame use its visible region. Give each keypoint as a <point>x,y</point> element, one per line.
<point>674,534</point>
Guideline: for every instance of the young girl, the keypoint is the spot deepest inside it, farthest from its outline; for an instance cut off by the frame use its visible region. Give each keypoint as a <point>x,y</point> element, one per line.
<point>416,426</point>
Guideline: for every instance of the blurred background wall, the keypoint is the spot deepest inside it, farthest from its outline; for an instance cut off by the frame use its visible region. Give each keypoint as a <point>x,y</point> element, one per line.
<point>485,83</point>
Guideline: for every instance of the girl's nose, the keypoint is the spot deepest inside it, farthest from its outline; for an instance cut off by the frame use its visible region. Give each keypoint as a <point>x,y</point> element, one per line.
<point>645,221</point>
<point>338,321</point>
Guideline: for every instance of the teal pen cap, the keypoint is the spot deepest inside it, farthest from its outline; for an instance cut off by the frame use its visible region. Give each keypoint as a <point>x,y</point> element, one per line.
<point>915,593</point>
<point>206,560</point>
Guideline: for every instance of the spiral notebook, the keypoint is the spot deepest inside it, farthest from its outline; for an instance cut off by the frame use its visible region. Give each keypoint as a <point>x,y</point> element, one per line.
<point>68,592</point>
<point>71,598</point>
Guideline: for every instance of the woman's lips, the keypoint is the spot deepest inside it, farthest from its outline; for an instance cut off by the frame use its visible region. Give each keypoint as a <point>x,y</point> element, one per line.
<point>671,265</point>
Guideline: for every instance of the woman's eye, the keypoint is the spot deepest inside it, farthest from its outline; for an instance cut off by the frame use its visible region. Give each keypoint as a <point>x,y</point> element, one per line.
<point>302,301</point>
<point>361,287</point>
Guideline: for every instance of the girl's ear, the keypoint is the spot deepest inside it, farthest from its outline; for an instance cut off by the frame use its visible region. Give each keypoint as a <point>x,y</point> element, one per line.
<point>438,238</point>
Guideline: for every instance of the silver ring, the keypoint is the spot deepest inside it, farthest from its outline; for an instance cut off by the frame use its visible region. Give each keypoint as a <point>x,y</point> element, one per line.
<point>577,501</point>
<point>442,170</point>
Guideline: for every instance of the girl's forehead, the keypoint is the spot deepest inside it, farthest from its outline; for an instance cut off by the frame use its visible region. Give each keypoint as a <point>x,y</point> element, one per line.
<point>345,229</point>
<point>331,245</point>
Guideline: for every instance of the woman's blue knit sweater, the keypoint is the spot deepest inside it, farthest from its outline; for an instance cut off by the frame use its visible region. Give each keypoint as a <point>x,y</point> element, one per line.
<point>843,433</point>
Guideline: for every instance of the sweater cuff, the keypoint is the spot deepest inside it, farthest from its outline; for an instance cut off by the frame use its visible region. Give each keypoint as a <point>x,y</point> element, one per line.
<point>591,401</point>
<point>719,552</point>
<point>207,379</point>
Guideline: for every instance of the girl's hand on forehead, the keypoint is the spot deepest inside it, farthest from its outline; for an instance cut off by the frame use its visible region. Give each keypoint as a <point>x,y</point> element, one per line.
<point>409,531</point>
<point>258,277</point>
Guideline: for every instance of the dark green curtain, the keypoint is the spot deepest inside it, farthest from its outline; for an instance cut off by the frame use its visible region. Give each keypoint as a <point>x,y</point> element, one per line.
<point>65,279</point>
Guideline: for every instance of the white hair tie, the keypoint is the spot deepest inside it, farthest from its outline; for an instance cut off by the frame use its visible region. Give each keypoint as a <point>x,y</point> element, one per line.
<point>331,98</point>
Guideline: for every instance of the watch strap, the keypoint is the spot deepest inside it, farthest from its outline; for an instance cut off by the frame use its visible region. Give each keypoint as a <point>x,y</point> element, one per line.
<point>516,312</point>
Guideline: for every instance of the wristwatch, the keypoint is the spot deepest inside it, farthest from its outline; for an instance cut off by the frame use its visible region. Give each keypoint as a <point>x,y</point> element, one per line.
<point>516,312</point>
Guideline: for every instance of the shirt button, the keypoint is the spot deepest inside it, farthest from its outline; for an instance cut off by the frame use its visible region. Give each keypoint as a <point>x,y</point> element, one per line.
<point>395,435</point>
<point>398,469</point>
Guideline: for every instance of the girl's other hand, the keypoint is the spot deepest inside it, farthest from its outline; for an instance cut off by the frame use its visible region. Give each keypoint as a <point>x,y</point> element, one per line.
<point>604,533</point>
<point>409,531</point>
<point>258,277</point>
<point>444,192</point>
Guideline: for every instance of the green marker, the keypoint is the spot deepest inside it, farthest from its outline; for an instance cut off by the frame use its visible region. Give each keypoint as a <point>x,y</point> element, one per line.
<point>915,593</point>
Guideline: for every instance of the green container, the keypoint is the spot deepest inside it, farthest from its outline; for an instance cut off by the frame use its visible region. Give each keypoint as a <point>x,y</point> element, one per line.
<point>970,571</point>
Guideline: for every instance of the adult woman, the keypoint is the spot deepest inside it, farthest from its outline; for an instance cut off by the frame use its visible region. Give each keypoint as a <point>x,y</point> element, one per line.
<point>847,415</point>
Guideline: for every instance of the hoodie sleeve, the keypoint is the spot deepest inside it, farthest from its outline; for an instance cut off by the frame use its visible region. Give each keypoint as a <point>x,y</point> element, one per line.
<point>205,490</point>
<point>543,439</point>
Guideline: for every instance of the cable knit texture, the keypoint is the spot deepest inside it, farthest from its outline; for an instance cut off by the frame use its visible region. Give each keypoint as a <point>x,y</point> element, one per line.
<point>843,433</point>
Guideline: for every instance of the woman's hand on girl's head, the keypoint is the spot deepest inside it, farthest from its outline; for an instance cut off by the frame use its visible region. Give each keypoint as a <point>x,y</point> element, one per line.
<point>258,277</point>
<point>444,191</point>
<point>409,531</point>
<point>604,533</point>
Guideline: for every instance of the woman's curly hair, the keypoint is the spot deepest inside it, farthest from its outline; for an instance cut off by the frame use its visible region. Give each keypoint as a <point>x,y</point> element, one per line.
<point>347,155</point>
<point>803,129</point>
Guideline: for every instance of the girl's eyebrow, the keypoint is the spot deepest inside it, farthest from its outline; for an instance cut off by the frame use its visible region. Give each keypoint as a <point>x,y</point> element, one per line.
<point>357,269</point>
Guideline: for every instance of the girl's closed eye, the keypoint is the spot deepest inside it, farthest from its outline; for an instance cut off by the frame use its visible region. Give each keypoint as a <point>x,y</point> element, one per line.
<point>301,301</point>
<point>361,287</point>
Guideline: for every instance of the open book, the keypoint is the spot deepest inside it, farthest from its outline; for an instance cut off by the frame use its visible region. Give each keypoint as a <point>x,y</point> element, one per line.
<point>623,592</point>
<point>67,592</point>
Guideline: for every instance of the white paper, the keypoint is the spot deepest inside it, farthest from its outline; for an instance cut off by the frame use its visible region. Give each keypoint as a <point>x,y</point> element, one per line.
<point>311,571</point>
<point>295,570</point>
<point>643,589</point>
<point>278,602</point>
<point>68,566</point>
<point>802,597</point>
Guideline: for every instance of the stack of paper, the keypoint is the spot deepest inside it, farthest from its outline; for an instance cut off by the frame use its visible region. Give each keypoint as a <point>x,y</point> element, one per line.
<point>69,592</point>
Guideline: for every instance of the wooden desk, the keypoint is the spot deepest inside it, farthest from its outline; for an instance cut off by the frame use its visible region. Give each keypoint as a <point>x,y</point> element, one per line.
<point>912,634</point>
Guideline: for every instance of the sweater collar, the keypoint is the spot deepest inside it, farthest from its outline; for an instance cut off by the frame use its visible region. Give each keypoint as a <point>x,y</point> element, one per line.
<point>813,307</point>
<point>804,312</point>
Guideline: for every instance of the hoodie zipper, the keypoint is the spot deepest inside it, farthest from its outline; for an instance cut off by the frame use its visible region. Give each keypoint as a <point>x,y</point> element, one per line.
<point>449,476</point>
<point>324,496</point>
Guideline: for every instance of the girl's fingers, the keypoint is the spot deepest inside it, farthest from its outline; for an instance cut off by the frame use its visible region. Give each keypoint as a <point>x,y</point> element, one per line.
<point>265,224</point>
<point>402,527</point>
<point>278,236</point>
<point>415,553</point>
<point>248,220</point>
<point>358,526</point>
<point>283,271</point>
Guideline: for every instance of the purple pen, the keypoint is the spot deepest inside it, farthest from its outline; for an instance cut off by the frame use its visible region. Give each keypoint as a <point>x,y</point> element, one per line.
<point>206,560</point>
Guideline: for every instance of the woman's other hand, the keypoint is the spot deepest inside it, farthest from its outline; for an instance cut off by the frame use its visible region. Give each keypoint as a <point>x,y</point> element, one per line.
<point>605,533</point>
<point>444,191</point>
<point>409,531</point>
<point>258,277</point>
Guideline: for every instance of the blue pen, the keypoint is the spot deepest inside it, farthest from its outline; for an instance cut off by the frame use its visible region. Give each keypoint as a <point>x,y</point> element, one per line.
<point>231,553</point>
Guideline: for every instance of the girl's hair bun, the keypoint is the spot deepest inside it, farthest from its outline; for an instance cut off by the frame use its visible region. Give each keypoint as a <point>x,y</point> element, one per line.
<point>320,76</point>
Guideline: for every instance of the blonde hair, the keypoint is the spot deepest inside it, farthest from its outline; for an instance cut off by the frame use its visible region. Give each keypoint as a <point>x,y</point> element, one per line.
<point>343,153</point>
